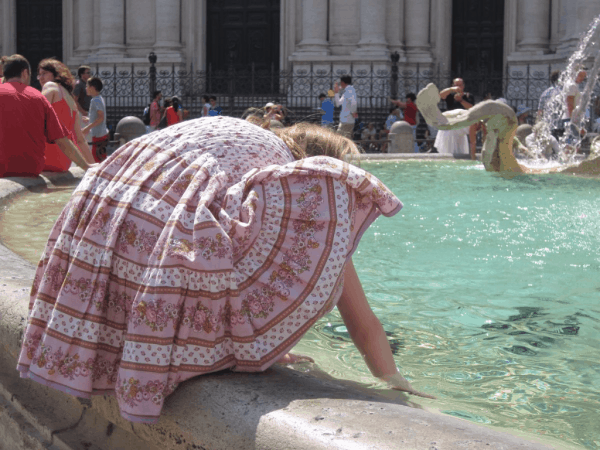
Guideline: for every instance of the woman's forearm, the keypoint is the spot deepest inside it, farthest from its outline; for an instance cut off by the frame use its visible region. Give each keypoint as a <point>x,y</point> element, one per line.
<point>84,148</point>
<point>72,152</point>
<point>375,348</point>
<point>365,329</point>
<point>368,334</point>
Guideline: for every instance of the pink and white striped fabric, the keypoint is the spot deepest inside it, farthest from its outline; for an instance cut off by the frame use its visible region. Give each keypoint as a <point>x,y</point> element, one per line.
<point>193,249</point>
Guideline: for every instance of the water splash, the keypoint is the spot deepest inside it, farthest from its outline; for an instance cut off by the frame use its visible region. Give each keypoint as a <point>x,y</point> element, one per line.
<point>587,52</point>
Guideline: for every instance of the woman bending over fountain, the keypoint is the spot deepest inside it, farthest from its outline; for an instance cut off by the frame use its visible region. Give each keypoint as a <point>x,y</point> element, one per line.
<point>501,124</point>
<point>211,244</point>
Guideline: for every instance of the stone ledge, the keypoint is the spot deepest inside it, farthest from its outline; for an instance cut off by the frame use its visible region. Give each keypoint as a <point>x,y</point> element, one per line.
<point>368,157</point>
<point>276,409</point>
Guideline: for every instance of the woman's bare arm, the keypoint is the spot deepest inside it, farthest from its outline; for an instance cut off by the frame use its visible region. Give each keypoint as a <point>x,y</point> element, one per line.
<point>72,152</point>
<point>368,334</point>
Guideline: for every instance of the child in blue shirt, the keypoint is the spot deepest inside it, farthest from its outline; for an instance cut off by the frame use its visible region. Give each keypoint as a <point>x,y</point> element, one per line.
<point>97,114</point>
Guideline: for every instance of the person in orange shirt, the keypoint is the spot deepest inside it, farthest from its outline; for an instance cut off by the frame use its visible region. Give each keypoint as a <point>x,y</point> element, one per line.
<point>174,112</point>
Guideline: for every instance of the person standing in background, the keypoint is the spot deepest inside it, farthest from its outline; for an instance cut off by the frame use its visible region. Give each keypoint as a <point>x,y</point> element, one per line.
<point>205,105</point>
<point>174,112</point>
<point>80,92</point>
<point>155,111</point>
<point>455,141</point>
<point>409,108</point>
<point>550,104</point>
<point>215,110</point>
<point>97,126</point>
<point>349,103</point>
<point>326,108</point>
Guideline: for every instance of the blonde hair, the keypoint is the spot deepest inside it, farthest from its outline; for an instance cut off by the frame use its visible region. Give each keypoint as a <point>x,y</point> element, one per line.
<point>306,139</point>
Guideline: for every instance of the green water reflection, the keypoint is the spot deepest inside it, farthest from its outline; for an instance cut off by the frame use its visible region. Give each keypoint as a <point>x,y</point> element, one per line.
<point>25,222</point>
<point>489,290</point>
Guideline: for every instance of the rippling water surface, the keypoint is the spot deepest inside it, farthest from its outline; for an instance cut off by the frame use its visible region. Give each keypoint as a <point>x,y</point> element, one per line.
<point>25,222</point>
<point>489,290</point>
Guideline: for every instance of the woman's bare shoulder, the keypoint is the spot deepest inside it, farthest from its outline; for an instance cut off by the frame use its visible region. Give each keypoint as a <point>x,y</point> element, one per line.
<point>50,85</point>
<point>51,91</point>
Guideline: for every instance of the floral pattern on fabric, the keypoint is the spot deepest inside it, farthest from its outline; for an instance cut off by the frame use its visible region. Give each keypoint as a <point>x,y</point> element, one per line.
<point>201,319</point>
<point>132,392</point>
<point>155,314</point>
<point>197,248</point>
<point>207,247</point>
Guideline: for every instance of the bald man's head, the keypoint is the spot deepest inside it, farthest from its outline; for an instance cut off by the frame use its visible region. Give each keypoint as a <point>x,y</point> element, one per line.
<point>458,82</point>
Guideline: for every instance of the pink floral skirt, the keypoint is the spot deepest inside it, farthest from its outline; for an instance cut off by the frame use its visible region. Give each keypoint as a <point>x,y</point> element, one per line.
<point>193,249</point>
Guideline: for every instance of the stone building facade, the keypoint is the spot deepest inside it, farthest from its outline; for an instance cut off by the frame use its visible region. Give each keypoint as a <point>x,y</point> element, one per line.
<point>542,32</point>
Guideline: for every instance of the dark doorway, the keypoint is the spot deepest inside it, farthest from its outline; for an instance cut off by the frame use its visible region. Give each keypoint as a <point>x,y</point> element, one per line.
<point>242,32</point>
<point>39,32</point>
<point>478,45</point>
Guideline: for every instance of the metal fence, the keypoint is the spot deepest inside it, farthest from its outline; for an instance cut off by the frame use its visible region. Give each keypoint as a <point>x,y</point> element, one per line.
<point>127,90</point>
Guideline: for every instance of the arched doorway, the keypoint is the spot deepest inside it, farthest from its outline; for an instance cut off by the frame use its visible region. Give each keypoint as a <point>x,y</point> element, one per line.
<point>39,31</point>
<point>478,45</point>
<point>242,32</point>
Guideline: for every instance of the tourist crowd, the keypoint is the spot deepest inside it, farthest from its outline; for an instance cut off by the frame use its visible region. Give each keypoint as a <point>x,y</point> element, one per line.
<point>80,112</point>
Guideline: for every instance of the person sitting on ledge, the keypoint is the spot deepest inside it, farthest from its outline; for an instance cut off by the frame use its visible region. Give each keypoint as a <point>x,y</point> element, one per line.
<point>501,125</point>
<point>27,123</point>
<point>212,244</point>
<point>57,86</point>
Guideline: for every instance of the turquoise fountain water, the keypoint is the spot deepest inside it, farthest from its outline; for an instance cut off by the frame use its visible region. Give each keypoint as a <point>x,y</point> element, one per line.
<point>488,288</point>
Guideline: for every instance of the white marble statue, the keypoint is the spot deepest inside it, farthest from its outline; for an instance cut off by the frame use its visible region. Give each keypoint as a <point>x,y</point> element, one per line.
<point>501,123</point>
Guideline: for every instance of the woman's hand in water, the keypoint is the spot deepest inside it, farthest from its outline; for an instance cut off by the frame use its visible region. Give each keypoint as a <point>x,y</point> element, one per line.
<point>399,383</point>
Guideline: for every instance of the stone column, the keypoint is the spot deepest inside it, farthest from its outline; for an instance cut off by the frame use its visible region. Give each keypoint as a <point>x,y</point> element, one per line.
<point>314,28</point>
<point>85,27</point>
<point>141,31</point>
<point>372,41</point>
<point>394,26</point>
<point>167,26</point>
<point>577,16</point>
<point>416,25</point>
<point>197,28</point>
<point>441,34</point>
<point>8,21</point>
<point>533,25</point>
<point>112,28</point>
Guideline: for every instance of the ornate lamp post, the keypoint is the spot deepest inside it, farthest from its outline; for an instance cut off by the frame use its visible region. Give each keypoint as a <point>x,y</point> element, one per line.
<point>152,58</point>
<point>394,88</point>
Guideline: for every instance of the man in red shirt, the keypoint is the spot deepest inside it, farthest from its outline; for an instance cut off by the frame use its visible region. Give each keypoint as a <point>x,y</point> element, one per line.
<point>27,122</point>
<point>409,108</point>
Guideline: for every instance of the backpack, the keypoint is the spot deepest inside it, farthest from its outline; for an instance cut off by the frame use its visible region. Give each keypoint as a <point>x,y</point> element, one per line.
<point>146,115</point>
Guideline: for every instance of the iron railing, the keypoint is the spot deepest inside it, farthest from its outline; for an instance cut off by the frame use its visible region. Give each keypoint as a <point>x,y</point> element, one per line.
<point>127,90</point>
